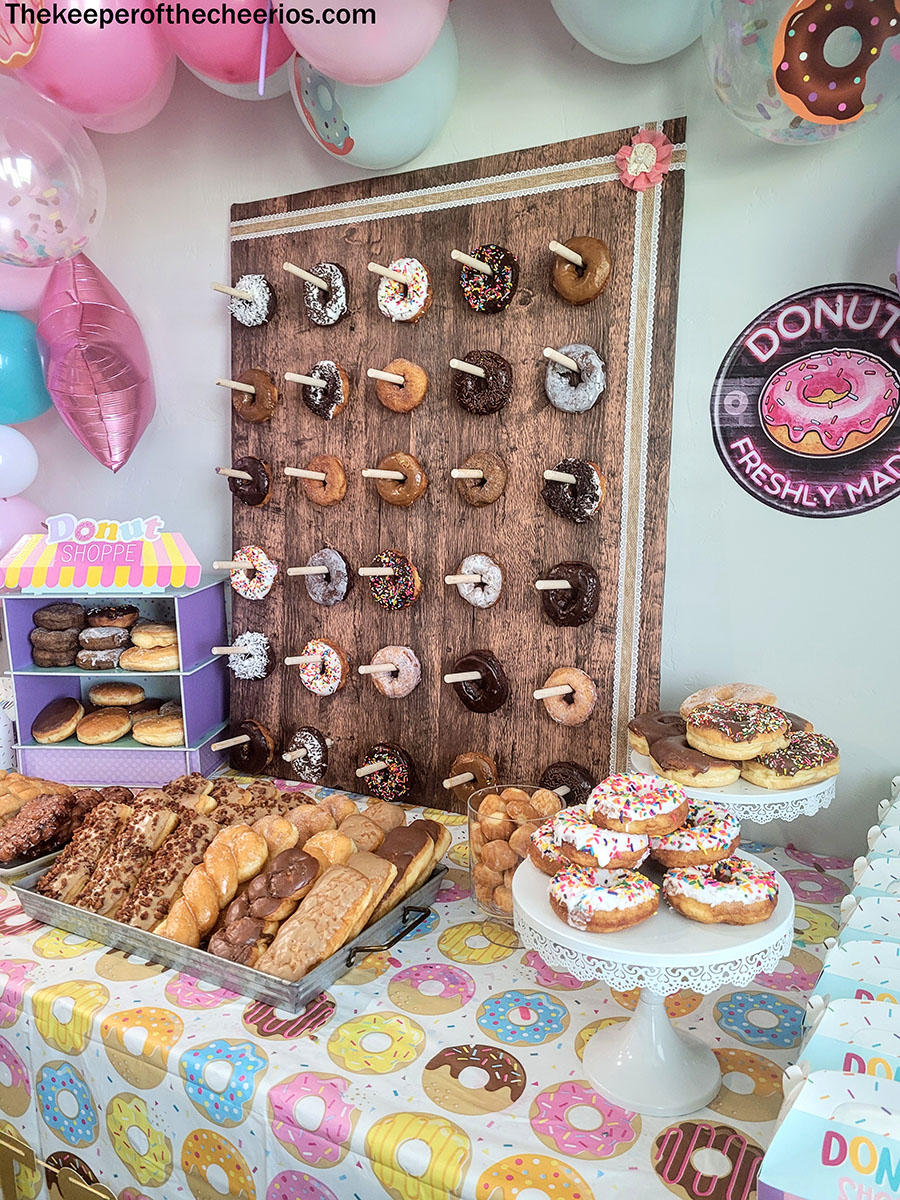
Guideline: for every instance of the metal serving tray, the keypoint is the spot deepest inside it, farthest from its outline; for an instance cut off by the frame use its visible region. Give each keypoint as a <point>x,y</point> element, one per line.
<point>21,868</point>
<point>246,981</point>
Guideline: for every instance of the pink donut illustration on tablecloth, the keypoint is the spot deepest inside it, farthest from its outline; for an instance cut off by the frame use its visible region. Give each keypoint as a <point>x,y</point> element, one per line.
<point>315,95</point>
<point>829,403</point>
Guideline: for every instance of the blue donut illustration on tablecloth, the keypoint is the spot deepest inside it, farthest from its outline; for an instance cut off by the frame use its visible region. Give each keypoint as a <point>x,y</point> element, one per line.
<point>523,1018</point>
<point>53,1079</point>
<point>732,1014</point>
<point>315,95</point>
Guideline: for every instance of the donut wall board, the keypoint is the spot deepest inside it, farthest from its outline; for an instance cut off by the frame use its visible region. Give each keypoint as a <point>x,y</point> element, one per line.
<point>520,201</point>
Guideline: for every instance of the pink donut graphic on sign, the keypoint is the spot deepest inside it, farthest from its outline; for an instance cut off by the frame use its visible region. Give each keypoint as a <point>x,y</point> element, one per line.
<point>804,406</point>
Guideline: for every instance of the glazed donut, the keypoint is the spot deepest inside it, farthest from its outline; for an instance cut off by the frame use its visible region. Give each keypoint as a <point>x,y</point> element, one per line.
<point>728,693</point>
<point>16,1095</point>
<point>405,301</point>
<point>576,392</point>
<point>648,728</point>
<point>104,660</point>
<point>527,1172</point>
<point>488,489</point>
<point>491,690</point>
<point>328,676</point>
<point>55,1079</point>
<point>454,943</point>
<point>257,663</point>
<point>807,758</point>
<point>203,1149</point>
<point>457,987</point>
<point>312,765</point>
<point>580,285</point>
<point>257,406</point>
<point>583,843</point>
<point>576,705</point>
<point>579,781</point>
<point>395,781</point>
<point>326,1144</point>
<point>259,308</point>
<point>327,308</point>
<point>733,891</point>
<point>443,1087</point>
<point>253,757</point>
<point>575,605</point>
<point>579,501</point>
<point>543,851</point>
<point>486,593</point>
<point>407,490</point>
<point>400,682</point>
<point>490,293</point>
<point>479,395</point>
<point>228,1103</point>
<point>675,758</point>
<point>399,590</point>
<point>402,397</point>
<point>731,1014</point>
<point>331,588</point>
<point>540,1018</point>
<point>638,804</point>
<point>737,731</point>
<point>331,489</point>
<point>709,833</point>
<point>255,581</point>
<point>602,901</point>
<point>82,1000</point>
<point>617,1131</point>
<point>148,1067</point>
<point>101,638</point>
<point>407,1041</point>
<point>450,1152</point>
<point>148,634</point>
<point>763,1102</point>
<point>255,491</point>
<point>154,1166</point>
<point>672,1157</point>
<point>330,399</point>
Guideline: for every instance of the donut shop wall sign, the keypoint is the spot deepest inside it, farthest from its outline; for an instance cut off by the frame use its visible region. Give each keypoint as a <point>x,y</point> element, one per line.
<point>804,407</point>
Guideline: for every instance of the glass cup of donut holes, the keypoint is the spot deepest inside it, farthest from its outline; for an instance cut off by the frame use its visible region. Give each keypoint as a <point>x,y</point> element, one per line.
<point>501,822</point>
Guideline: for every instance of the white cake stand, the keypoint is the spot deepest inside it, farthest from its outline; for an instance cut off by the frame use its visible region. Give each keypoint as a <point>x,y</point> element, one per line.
<point>760,805</point>
<point>647,1065</point>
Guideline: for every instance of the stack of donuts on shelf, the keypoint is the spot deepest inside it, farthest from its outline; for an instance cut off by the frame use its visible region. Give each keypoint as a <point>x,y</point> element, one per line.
<point>593,853</point>
<point>102,639</point>
<point>112,711</point>
<point>734,731</point>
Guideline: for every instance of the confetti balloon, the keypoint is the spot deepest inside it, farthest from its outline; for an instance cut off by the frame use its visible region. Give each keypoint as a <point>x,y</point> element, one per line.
<point>379,127</point>
<point>632,31</point>
<point>52,186</point>
<point>18,517</point>
<point>18,462</point>
<point>23,395</point>
<point>97,364</point>
<point>802,71</point>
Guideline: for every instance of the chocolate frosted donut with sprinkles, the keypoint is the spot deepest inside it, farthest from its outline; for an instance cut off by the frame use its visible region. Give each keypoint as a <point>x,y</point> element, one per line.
<point>490,293</point>
<point>807,758</point>
<point>328,400</point>
<point>261,305</point>
<point>396,779</point>
<point>327,308</point>
<point>399,590</point>
<point>737,731</point>
<point>257,662</point>
<point>483,396</point>
<point>578,501</point>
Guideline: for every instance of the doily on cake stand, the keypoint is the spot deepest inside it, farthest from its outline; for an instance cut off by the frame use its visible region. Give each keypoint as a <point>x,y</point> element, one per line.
<point>647,1065</point>
<point>760,805</point>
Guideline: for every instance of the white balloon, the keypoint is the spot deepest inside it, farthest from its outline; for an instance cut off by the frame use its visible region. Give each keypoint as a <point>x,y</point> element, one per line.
<point>382,126</point>
<point>632,31</point>
<point>18,462</point>
<point>276,84</point>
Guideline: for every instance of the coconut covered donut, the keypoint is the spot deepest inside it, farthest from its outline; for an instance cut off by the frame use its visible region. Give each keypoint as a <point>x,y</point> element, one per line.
<point>326,308</point>
<point>602,901</point>
<point>331,398</point>
<point>261,305</point>
<point>576,391</point>
<point>312,765</point>
<point>638,804</point>
<point>733,891</point>
<point>257,661</point>
<point>709,833</point>
<point>486,592</point>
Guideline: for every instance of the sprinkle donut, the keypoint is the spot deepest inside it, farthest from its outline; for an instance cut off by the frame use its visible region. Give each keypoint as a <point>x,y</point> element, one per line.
<point>148,1067</point>
<point>255,581</point>
<point>804,970</point>
<point>674,1149</point>
<point>71,1036</point>
<point>576,391</point>
<point>557,980</point>
<point>297,1185</point>
<point>396,779</point>
<point>732,1014</point>
<point>812,926</point>
<point>326,308</point>
<point>709,833</point>
<point>154,1166</point>
<point>531,1172</point>
<point>345,1046</point>
<point>482,395</point>
<point>486,592</point>
<point>57,944</point>
<point>538,1017</point>
<point>16,1095</point>
<point>53,1079</point>
<point>326,677</point>
<point>549,1121</point>
<point>457,989</point>
<point>582,842</point>
<point>222,1094</point>
<point>764,1102</point>
<point>399,590</point>
<point>638,804</point>
<point>490,293</point>
<point>263,1021</point>
<point>408,301</point>
<point>257,662</point>
<point>261,305</point>
<point>456,942</point>
<point>332,588</point>
<point>405,679</point>
<point>543,850</point>
<point>203,1149</point>
<point>326,1144</point>
<point>732,891</point>
<point>442,1080</point>
<point>602,901</point>
<point>812,887</point>
<point>185,991</point>
<point>450,1153</point>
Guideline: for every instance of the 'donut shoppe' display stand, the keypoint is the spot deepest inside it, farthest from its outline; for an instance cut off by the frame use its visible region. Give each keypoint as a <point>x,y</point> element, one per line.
<point>521,201</point>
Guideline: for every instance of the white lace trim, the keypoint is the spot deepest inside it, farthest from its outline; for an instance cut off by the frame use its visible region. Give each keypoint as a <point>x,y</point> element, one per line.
<point>776,808</point>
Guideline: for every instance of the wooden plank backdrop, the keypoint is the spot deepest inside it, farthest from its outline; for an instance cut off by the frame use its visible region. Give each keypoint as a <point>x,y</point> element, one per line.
<point>521,200</point>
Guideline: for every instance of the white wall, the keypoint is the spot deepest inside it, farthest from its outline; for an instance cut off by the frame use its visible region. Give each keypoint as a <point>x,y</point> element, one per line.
<point>804,607</point>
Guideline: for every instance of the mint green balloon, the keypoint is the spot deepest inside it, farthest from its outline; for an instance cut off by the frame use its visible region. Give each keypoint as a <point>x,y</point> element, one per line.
<point>23,395</point>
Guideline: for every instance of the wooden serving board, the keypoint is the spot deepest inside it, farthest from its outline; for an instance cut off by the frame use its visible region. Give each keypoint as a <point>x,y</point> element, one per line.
<point>522,201</point>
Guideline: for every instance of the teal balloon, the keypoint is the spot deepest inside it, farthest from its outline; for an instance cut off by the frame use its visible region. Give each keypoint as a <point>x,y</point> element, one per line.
<point>23,394</point>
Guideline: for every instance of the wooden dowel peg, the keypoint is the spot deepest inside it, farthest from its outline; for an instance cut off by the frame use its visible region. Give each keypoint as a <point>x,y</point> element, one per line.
<point>563,359</point>
<point>374,571</point>
<point>563,790</point>
<point>302,473</point>
<point>459,364</point>
<point>552,585</point>
<point>236,386</point>
<point>466,473</point>
<point>306,380</point>
<point>241,740</point>
<point>306,275</point>
<point>378,668</point>
<point>567,254</point>
<point>292,571</point>
<point>545,693</point>
<point>455,780</point>
<point>231,650</point>
<point>475,263</point>
<point>387,376</point>
<point>290,755</point>
<point>230,473</point>
<point>377,473</point>
<point>371,769</point>
<point>560,477</point>
<point>462,676</point>
<point>233,565</point>
<point>230,291</point>
<point>464,579</point>
<point>387,273</point>
<point>302,660</point>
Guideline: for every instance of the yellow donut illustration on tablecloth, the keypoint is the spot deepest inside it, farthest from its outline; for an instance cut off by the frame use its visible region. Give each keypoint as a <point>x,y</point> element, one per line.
<point>763,1102</point>
<point>123,968</point>
<point>521,1172</point>
<point>583,1036</point>
<point>459,854</point>
<point>28,1180</point>
<point>679,1004</point>
<point>127,1112</point>
<point>138,1042</point>
<point>64,1013</point>
<point>449,1154</point>
<point>56,943</point>
<point>479,942</point>
<point>347,1045</point>
<point>203,1149</point>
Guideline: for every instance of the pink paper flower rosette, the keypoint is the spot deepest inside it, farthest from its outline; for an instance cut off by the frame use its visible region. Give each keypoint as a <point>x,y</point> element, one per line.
<point>645,161</point>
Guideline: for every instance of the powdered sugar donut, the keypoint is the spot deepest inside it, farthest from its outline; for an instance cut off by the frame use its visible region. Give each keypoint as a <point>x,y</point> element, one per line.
<point>405,301</point>
<point>485,593</point>
<point>326,1144</point>
<point>576,391</point>
<point>331,588</point>
<point>638,804</point>
<point>260,306</point>
<point>257,662</point>
<point>400,682</point>
<point>327,676</point>
<point>254,582</point>
<point>617,1132</point>
<point>580,841</point>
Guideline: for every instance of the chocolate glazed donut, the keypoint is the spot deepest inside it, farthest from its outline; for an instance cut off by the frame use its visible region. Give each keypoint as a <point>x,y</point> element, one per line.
<point>252,757</point>
<point>579,781</point>
<point>255,491</point>
<point>481,397</point>
<point>577,604</point>
<point>491,691</point>
<point>259,406</point>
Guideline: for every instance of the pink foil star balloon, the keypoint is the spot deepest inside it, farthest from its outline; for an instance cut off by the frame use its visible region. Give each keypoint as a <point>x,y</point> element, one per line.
<point>96,361</point>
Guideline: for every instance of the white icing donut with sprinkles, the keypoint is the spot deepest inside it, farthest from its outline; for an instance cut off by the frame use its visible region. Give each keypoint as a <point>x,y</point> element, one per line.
<point>405,301</point>
<point>638,804</point>
<point>734,891</point>
<point>581,842</point>
<point>328,674</point>
<point>709,833</point>
<point>253,582</point>
<point>602,901</point>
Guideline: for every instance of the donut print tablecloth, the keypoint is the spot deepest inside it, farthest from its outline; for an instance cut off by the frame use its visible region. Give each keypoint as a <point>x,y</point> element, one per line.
<point>449,1066</point>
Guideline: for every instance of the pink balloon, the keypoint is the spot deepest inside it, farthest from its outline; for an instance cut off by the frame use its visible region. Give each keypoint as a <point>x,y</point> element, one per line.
<point>228,53</point>
<point>136,116</point>
<point>18,516</point>
<point>96,361</point>
<point>98,71</point>
<point>367,55</point>
<point>21,288</point>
